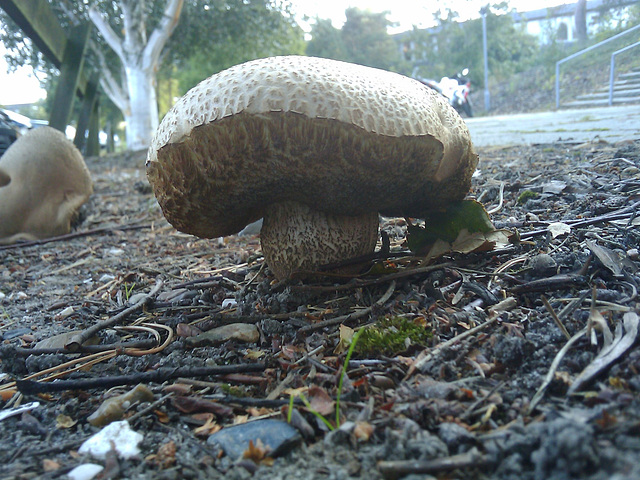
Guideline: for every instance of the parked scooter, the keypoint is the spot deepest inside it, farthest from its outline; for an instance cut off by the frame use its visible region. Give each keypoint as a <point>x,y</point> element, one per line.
<point>456,89</point>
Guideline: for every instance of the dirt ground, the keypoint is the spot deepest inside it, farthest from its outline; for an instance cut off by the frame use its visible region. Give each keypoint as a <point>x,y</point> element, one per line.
<point>457,401</point>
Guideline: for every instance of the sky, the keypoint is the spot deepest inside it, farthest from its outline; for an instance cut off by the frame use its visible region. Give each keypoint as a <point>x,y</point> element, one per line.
<point>23,87</point>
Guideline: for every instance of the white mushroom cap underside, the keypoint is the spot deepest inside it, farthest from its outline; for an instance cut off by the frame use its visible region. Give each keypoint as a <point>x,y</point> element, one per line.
<point>375,100</point>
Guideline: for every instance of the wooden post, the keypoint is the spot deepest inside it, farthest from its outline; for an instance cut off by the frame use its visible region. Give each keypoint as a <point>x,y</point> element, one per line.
<point>70,70</point>
<point>90,96</point>
<point>93,140</point>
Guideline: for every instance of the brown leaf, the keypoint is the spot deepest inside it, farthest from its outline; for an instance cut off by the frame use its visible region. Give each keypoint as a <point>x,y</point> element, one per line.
<point>258,453</point>
<point>186,330</point>
<point>363,431</point>
<point>178,388</point>
<point>320,400</point>
<point>65,421</point>
<point>50,465</point>
<point>198,404</point>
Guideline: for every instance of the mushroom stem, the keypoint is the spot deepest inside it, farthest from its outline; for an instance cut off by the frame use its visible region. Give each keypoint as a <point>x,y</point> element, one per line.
<point>295,237</point>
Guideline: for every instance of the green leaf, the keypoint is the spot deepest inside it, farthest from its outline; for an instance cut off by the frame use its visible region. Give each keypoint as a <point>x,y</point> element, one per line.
<point>447,225</point>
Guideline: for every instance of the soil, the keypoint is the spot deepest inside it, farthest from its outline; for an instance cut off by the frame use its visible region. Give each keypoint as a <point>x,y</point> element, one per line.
<point>459,404</point>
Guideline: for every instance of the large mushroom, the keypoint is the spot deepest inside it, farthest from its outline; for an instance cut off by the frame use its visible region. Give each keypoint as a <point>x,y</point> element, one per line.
<point>317,147</point>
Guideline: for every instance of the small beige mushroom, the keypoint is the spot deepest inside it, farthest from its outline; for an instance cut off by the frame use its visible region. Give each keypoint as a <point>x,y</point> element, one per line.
<point>43,183</point>
<point>317,147</point>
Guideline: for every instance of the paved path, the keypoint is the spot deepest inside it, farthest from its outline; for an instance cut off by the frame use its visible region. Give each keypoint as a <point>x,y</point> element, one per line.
<point>612,124</point>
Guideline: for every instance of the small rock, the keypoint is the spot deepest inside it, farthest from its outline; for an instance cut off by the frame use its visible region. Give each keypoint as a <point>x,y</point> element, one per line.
<point>135,298</point>
<point>278,436</point>
<point>242,332</point>
<point>342,435</point>
<point>86,471</point>
<point>116,436</point>
<point>113,408</point>
<point>60,340</point>
<point>455,436</point>
<point>229,303</point>
<point>543,265</point>
<point>16,332</point>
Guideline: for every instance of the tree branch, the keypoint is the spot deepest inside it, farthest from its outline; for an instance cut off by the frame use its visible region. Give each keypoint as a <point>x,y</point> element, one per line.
<point>32,387</point>
<point>109,84</point>
<point>111,37</point>
<point>162,32</point>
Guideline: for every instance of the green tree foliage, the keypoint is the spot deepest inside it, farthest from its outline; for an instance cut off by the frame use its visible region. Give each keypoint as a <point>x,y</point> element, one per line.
<point>326,41</point>
<point>363,39</point>
<point>212,36</point>
<point>452,46</point>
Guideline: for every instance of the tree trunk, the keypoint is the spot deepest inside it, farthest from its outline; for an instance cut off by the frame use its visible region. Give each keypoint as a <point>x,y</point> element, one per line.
<point>581,21</point>
<point>135,95</point>
<point>142,116</point>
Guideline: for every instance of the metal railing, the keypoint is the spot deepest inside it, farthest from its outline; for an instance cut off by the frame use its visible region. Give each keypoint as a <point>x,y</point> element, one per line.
<point>613,68</point>
<point>582,52</point>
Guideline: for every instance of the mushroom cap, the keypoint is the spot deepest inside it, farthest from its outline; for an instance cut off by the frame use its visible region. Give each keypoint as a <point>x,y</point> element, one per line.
<point>341,138</point>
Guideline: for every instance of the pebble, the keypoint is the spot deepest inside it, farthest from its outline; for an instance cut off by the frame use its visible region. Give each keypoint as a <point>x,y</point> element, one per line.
<point>543,265</point>
<point>16,332</point>
<point>455,436</point>
<point>85,471</point>
<point>241,332</point>
<point>116,436</point>
<point>278,436</point>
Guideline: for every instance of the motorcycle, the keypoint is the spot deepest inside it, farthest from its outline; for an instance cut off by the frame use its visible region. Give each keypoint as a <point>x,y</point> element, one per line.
<point>456,89</point>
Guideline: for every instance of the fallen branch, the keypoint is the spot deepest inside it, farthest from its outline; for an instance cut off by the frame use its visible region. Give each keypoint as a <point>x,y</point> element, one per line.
<point>69,236</point>
<point>77,340</point>
<point>352,316</point>
<point>396,469</point>
<point>583,222</point>
<point>29,387</point>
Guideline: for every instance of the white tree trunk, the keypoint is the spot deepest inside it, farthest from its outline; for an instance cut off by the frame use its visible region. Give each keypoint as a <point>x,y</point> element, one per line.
<point>136,96</point>
<point>142,116</point>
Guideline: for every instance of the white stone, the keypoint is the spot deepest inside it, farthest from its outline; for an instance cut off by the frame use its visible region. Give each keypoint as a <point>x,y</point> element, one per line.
<point>117,435</point>
<point>86,471</point>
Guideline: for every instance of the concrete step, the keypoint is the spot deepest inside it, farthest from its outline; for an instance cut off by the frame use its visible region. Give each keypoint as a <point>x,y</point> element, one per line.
<point>622,83</point>
<point>632,74</point>
<point>603,102</point>
<point>626,92</point>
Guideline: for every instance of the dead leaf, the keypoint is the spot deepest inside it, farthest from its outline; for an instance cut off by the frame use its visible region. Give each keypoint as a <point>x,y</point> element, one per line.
<point>363,431</point>
<point>346,336</point>
<point>178,388</point>
<point>558,228</point>
<point>50,465</point>
<point>625,336</point>
<point>253,354</point>
<point>162,416</point>
<point>258,453</point>
<point>554,186</point>
<point>166,455</point>
<point>320,400</point>
<point>199,404</point>
<point>210,425</point>
<point>186,330</point>
<point>608,258</point>
<point>65,421</point>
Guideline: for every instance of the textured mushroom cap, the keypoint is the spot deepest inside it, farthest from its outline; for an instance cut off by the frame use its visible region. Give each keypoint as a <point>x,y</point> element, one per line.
<point>342,138</point>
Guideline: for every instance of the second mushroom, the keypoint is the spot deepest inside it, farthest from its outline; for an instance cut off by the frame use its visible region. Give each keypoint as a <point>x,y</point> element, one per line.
<point>317,147</point>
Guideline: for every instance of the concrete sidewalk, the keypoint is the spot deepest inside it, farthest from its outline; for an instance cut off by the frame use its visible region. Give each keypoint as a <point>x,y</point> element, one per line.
<point>612,124</point>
